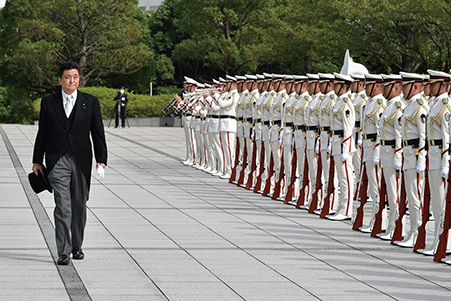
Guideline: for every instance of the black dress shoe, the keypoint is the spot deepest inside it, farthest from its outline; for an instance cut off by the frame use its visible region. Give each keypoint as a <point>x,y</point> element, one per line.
<point>78,254</point>
<point>63,260</point>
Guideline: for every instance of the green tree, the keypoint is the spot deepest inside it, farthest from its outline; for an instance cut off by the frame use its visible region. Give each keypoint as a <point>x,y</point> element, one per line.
<point>99,35</point>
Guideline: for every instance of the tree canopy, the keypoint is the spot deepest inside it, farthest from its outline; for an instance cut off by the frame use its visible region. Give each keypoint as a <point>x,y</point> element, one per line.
<point>116,43</point>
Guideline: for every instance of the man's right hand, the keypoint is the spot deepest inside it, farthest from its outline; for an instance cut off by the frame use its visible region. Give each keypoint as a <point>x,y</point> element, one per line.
<point>37,167</point>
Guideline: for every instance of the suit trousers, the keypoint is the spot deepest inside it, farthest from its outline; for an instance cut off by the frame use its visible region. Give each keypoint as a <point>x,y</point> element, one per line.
<point>70,194</point>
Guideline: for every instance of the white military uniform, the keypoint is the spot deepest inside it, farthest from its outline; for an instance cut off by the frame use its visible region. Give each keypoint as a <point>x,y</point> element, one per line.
<point>327,105</point>
<point>299,120</point>
<point>312,140</point>
<point>213,129</point>
<point>248,120</point>
<point>276,121</point>
<point>413,124</point>
<point>390,139</point>
<point>342,147</point>
<point>438,157</point>
<point>258,115</point>
<point>287,135</point>
<point>359,102</point>
<point>227,127</point>
<point>266,120</point>
<point>189,134</point>
<point>240,128</point>
<point>370,128</point>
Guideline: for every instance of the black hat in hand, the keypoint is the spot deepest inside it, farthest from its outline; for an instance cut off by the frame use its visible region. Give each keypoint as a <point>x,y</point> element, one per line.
<point>40,182</point>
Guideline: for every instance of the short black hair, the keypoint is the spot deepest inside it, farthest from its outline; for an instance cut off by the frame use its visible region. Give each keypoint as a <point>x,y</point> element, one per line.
<point>68,66</point>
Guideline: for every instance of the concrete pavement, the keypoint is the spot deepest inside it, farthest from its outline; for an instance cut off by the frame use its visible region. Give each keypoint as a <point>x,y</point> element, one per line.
<point>158,230</point>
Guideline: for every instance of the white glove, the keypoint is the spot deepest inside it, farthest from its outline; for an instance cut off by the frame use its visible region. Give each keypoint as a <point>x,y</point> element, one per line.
<point>359,142</point>
<point>344,156</point>
<point>444,172</point>
<point>397,166</point>
<point>101,171</point>
<point>421,167</point>
<point>317,148</point>
<point>328,149</point>
<point>376,160</point>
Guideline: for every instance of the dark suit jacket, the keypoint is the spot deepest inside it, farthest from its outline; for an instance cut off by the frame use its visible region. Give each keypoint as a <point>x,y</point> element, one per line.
<point>56,134</point>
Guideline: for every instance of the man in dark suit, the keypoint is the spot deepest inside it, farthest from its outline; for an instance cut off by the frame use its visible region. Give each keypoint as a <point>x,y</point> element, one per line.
<point>121,105</point>
<point>67,118</point>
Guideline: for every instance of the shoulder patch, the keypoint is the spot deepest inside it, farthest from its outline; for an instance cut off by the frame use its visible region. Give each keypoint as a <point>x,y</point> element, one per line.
<point>380,101</point>
<point>306,97</point>
<point>398,104</point>
<point>423,118</point>
<point>322,97</point>
<point>332,96</point>
<point>345,99</point>
<point>445,100</point>
<point>420,101</point>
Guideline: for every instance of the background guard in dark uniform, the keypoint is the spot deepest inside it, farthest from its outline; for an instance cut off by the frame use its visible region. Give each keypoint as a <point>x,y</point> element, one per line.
<point>121,106</point>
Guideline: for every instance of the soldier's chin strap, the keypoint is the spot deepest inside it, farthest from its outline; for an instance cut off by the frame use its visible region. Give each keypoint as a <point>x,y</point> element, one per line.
<point>410,91</point>
<point>372,89</point>
<point>391,90</point>
<point>439,88</point>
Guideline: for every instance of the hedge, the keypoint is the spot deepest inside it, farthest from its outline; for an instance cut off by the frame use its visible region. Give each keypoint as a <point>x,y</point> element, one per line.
<point>138,105</point>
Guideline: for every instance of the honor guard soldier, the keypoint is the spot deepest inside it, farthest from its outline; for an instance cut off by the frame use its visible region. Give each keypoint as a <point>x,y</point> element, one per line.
<point>370,127</point>
<point>275,108</point>
<point>208,139</point>
<point>227,125</point>
<point>312,116</point>
<point>359,102</point>
<point>438,145</point>
<point>264,82</point>
<point>213,128</point>
<point>287,125</point>
<point>342,145</point>
<point>243,94</point>
<point>266,120</point>
<point>299,116</point>
<point>195,125</point>
<point>390,139</point>
<point>327,104</point>
<point>248,121</point>
<point>413,123</point>
<point>186,120</point>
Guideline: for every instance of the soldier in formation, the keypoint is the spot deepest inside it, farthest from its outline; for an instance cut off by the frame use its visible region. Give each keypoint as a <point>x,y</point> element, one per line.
<point>327,142</point>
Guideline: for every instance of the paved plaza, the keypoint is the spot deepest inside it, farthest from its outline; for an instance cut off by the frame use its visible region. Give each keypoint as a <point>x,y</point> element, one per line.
<point>158,230</point>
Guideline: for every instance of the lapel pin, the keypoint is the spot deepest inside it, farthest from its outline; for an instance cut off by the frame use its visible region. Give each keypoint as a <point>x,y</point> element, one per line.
<point>83,106</point>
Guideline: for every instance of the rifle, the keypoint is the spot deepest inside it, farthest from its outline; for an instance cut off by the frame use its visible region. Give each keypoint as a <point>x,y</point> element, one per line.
<point>290,186</point>
<point>377,227</point>
<point>319,183</point>
<point>443,238</point>
<point>421,238</point>
<point>237,153</point>
<point>250,177</point>
<point>330,189</point>
<point>278,184</point>
<point>242,172</point>
<point>305,181</point>
<point>397,234</point>
<point>363,194</point>
<point>258,184</point>
<point>357,190</point>
<point>267,189</point>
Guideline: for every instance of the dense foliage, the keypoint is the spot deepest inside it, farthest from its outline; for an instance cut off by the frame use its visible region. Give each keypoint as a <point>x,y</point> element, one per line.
<point>119,44</point>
